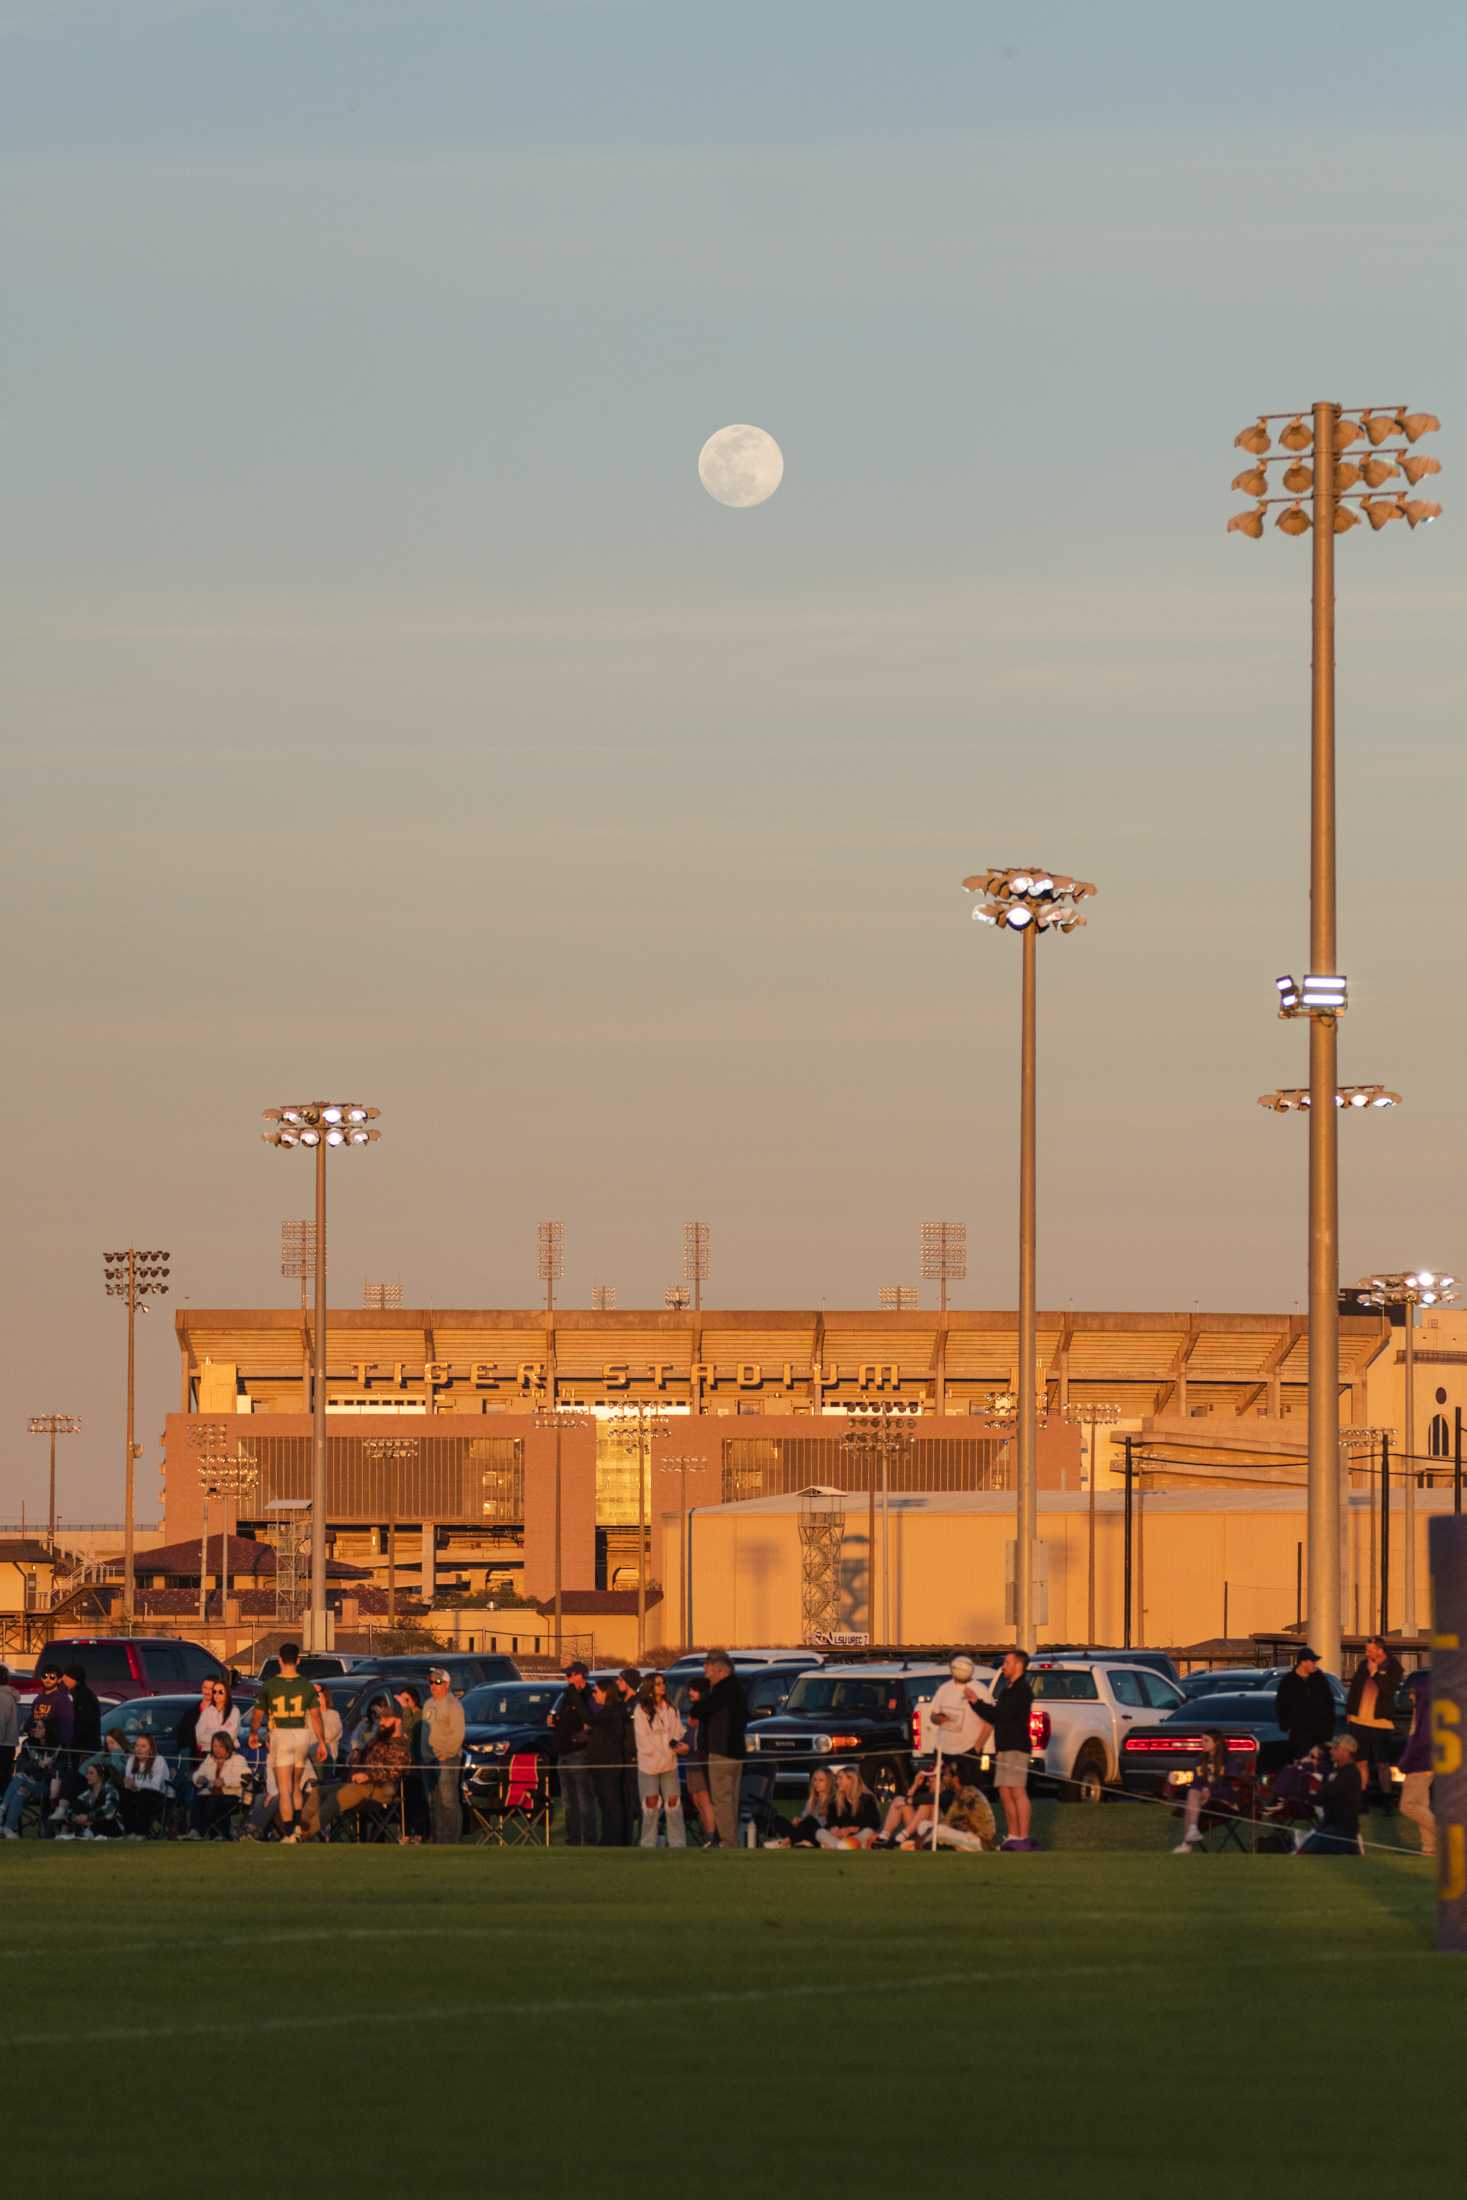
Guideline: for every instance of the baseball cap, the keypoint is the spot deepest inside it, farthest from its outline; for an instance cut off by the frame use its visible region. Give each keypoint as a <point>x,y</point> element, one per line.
<point>1301,1654</point>
<point>578,1665</point>
<point>436,1673</point>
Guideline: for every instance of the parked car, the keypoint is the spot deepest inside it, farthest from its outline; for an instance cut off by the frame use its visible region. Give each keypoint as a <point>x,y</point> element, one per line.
<point>1083,1710</point>
<point>319,1665</point>
<point>158,1716</point>
<point>1237,1680</point>
<point>122,1666</point>
<point>385,1674</point>
<point>1074,1653</point>
<point>766,1683</point>
<point>847,1714</point>
<point>1151,1753</point>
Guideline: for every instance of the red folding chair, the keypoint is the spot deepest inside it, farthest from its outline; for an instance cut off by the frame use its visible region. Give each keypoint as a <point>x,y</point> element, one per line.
<point>518,1812</point>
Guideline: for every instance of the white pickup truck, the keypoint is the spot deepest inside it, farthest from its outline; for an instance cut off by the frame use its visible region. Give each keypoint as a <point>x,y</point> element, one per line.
<point>1082,1708</point>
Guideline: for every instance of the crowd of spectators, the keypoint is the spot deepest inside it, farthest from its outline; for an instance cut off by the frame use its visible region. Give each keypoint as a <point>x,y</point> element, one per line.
<point>629,1764</point>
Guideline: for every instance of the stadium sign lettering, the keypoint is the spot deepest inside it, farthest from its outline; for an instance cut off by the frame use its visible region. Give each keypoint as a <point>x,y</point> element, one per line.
<point>529,1375</point>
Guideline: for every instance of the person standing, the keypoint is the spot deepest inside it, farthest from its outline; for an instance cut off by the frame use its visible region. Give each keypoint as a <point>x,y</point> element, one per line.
<point>1374,1687</point>
<point>1339,1805</point>
<point>290,1705</point>
<point>608,1745</point>
<point>1305,1705</point>
<point>86,1719</point>
<point>659,1737</point>
<point>1008,1715</point>
<point>9,1727</point>
<point>628,1685</point>
<point>443,1757</point>
<point>723,1716</point>
<point>570,1725</point>
<point>1415,1764</point>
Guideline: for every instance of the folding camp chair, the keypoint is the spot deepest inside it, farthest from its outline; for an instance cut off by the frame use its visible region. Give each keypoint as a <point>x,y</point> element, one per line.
<point>1227,1817</point>
<point>515,1811</point>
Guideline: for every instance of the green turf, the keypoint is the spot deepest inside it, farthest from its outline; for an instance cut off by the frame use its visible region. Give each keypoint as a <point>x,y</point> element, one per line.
<point>487,2022</point>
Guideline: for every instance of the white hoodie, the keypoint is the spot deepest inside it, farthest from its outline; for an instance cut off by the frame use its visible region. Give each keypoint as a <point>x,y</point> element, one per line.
<point>655,1738</point>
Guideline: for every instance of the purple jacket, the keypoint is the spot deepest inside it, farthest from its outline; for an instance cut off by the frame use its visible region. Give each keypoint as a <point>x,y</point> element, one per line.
<point>1416,1756</point>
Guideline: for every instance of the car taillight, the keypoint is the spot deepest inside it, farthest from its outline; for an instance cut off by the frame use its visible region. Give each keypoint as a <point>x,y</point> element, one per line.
<point>1195,1745</point>
<point>1039,1729</point>
<point>1247,1743</point>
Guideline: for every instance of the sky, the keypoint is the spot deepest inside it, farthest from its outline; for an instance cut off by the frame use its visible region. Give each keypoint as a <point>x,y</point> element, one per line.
<point>391,716</point>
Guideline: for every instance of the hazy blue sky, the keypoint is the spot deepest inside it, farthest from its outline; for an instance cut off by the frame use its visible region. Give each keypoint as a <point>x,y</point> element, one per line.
<point>390,712</point>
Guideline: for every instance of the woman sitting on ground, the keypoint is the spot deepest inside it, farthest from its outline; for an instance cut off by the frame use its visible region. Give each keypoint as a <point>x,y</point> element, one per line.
<point>219,1787</point>
<point>1208,1781</point>
<point>906,1811</point>
<point>95,1815</point>
<point>30,1781</point>
<point>967,1821</point>
<point>855,1821</point>
<point>145,1783</point>
<point>818,1811</point>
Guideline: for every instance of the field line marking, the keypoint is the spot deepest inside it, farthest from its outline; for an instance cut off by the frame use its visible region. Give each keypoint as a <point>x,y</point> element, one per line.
<point>584,2006</point>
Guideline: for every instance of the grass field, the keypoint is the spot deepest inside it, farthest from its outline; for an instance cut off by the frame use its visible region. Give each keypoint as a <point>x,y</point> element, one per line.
<point>490,2022</point>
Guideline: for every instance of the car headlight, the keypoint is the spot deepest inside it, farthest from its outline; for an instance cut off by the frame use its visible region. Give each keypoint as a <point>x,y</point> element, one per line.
<point>822,1743</point>
<point>751,1744</point>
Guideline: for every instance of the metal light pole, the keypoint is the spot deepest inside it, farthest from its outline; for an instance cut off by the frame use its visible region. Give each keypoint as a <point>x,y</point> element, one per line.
<point>135,1278</point>
<point>1028,902</point>
<point>558,1419</point>
<point>878,1435</point>
<point>550,1258</point>
<point>633,1426</point>
<point>944,1257</point>
<point>1087,1414</point>
<point>53,1425</point>
<point>697,1259</point>
<point>1418,1287</point>
<point>318,1125</point>
<point>298,1259</point>
<point>679,1466</point>
<point>1323,482</point>
<point>211,1442</point>
<point>391,1451</point>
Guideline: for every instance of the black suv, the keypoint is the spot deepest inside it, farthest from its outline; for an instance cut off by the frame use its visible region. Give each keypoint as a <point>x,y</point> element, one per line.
<point>766,1685</point>
<point>847,1714</point>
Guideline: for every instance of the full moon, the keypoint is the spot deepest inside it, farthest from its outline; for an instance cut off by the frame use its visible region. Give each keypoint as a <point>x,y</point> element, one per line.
<point>741,466</point>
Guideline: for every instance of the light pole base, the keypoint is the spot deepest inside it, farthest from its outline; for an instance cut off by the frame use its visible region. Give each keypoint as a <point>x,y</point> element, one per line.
<point>318,1628</point>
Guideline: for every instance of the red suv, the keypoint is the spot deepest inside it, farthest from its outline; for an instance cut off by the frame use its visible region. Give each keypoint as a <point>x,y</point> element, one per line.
<point>124,1666</point>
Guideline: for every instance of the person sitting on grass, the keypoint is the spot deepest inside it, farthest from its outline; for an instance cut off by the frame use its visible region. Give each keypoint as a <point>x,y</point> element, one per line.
<point>30,1782</point>
<point>145,1783</point>
<point>855,1820</point>
<point>1340,1801</point>
<point>817,1813</point>
<point>903,1812</point>
<point>1209,1780</point>
<point>95,1815</point>
<point>385,1762</point>
<point>966,1821</point>
<point>219,1785</point>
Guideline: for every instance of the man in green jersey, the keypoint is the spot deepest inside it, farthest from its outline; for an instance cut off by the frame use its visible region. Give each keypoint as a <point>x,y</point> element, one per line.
<point>292,1708</point>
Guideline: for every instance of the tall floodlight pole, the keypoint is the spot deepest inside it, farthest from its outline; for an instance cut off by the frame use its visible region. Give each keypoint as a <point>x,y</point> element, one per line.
<point>1418,1287</point>
<point>679,1466</point>
<point>697,1258</point>
<point>1092,1414</point>
<point>1028,902</point>
<point>558,1419</point>
<point>298,1259</point>
<point>550,1258</point>
<point>898,1298</point>
<point>53,1425</point>
<point>944,1257</point>
<point>1320,501</point>
<point>391,1451</point>
<point>633,1427</point>
<point>878,1435</point>
<point>211,1443</point>
<point>319,1125</point>
<point>226,1471</point>
<point>133,1277</point>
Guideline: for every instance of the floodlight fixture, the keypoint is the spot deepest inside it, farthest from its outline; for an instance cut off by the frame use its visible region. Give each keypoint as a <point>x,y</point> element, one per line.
<point>1297,1099</point>
<point>677,1298</point>
<point>1253,438</point>
<point>603,1297</point>
<point>697,1258</point>
<point>1420,510</point>
<point>1296,437</point>
<point>897,1298</point>
<point>1294,520</point>
<point>1413,425</point>
<point>382,1298</point>
<point>1298,477</point>
<point>1252,482</point>
<point>1248,523</point>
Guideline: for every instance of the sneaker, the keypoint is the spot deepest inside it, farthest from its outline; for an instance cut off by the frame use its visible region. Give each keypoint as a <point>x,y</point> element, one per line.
<point>192,1835</point>
<point>65,1837</point>
<point>9,1833</point>
<point>1185,1848</point>
<point>287,1840</point>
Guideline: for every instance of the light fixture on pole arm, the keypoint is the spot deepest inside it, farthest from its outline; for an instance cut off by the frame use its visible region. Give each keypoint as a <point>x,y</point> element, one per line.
<point>1092,1414</point>
<point>879,1436</point>
<point>1297,1099</point>
<point>1408,1289</point>
<point>679,1464</point>
<point>558,1419</point>
<point>53,1425</point>
<point>133,1277</point>
<point>944,1256</point>
<point>391,1452</point>
<point>550,1258</point>
<point>1029,902</point>
<point>697,1259</point>
<point>633,1426</point>
<point>1328,430</point>
<point>319,1126</point>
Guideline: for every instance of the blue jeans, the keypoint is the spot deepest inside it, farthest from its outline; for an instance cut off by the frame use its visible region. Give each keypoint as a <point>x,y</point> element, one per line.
<point>579,1797</point>
<point>17,1795</point>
